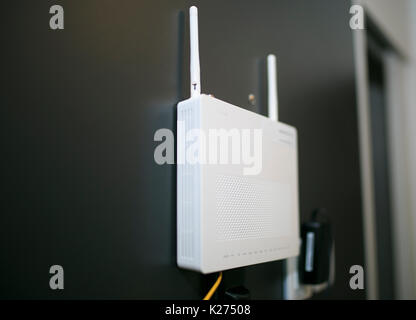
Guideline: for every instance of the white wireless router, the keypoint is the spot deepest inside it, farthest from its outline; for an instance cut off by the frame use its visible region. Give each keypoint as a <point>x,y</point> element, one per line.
<point>233,213</point>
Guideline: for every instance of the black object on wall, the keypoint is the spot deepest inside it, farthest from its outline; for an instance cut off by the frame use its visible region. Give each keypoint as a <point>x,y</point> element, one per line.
<point>316,249</point>
<point>80,107</point>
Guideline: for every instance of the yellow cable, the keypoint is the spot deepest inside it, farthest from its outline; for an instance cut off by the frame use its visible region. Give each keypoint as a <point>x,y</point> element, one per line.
<point>214,287</point>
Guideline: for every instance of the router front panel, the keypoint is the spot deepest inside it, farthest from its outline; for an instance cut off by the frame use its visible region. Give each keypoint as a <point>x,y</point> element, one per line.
<point>242,219</point>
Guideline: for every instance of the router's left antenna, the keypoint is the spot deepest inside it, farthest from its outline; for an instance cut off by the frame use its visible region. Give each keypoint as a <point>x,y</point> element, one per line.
<point>195,70</point>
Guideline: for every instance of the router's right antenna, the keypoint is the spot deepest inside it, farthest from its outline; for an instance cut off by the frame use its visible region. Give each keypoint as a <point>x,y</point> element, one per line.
<point>195,71</point>
<point>273,104</point>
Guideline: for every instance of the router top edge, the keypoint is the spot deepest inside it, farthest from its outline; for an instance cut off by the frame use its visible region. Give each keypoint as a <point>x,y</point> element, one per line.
<point>204,96</point>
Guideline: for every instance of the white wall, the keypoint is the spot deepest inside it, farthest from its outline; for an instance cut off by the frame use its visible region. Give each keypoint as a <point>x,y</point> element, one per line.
<point>397,20</point>
<point>411,125</point>
<point>393,17</point>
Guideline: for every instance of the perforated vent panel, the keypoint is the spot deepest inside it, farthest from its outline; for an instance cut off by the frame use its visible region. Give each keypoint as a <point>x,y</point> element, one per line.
<point>250,208</point>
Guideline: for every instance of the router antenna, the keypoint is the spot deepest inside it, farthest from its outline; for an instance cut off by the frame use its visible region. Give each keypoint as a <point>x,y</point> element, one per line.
<point>195,71</point>
<point>273,106</point>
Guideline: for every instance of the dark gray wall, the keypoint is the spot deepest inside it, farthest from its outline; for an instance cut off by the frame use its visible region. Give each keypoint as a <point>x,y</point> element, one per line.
<point>79,110</point>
